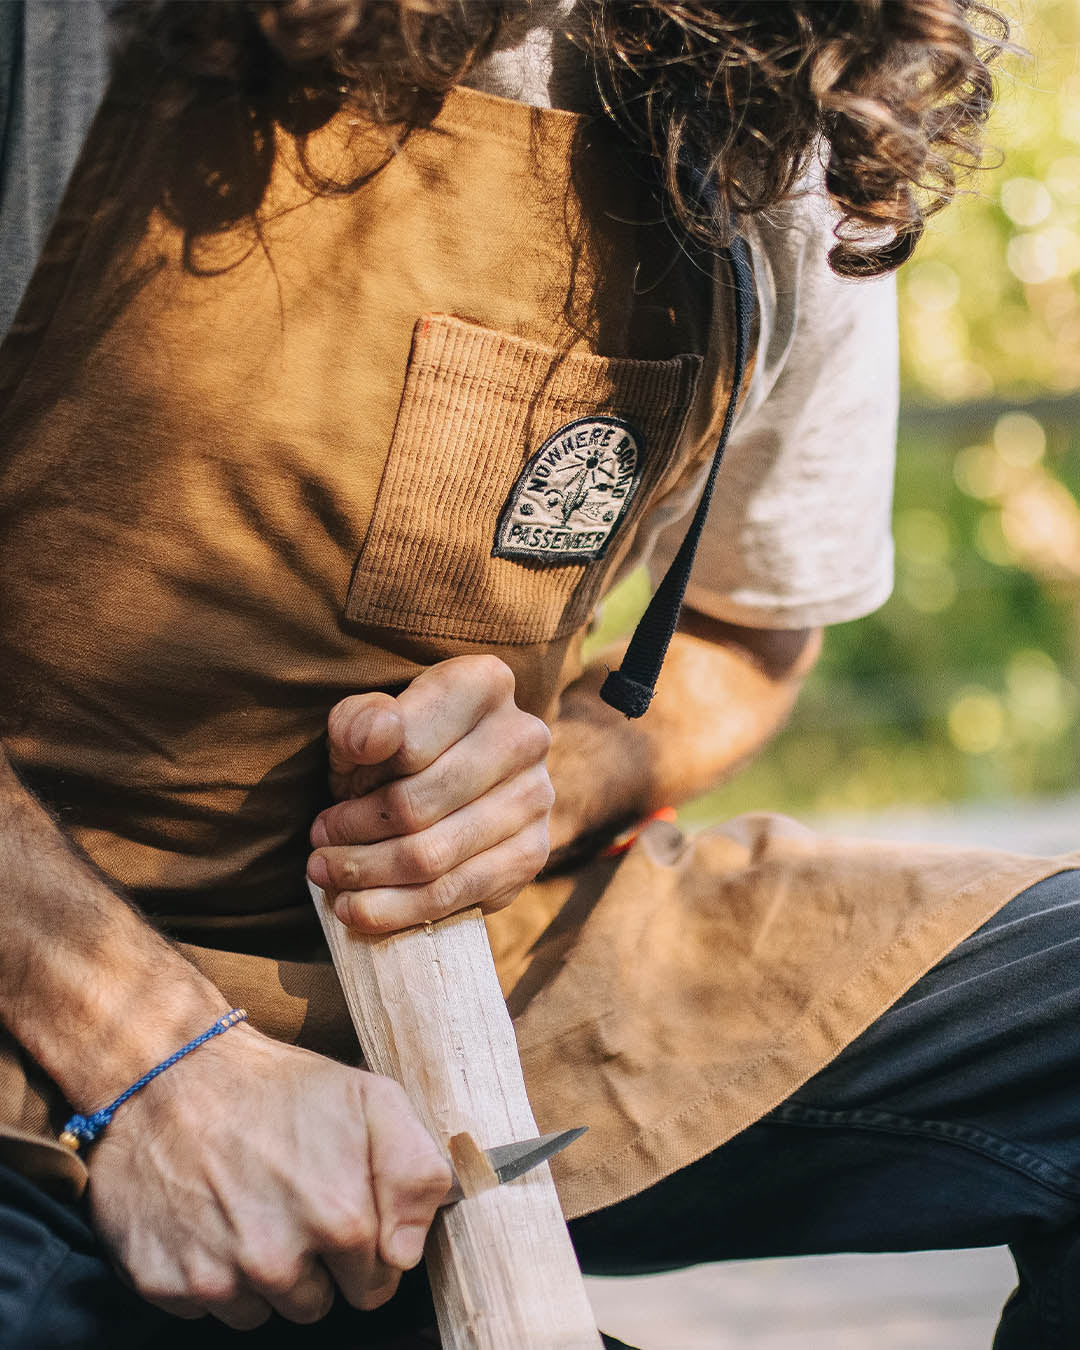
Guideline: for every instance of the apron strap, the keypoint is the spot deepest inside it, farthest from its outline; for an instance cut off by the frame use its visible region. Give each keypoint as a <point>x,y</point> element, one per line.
<point>630,688</point>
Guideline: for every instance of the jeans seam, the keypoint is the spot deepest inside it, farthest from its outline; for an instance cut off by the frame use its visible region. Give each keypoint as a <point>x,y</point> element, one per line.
<point>1025,1161</point>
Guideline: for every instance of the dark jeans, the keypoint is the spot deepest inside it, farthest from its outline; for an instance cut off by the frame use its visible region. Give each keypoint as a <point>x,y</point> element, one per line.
<point>954,1121</point>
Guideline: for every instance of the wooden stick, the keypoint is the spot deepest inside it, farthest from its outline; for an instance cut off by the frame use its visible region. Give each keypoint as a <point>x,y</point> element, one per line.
<point>428,1010</point>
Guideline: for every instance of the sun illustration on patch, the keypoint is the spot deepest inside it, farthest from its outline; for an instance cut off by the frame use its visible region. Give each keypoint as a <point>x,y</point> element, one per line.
<point>571,496</point>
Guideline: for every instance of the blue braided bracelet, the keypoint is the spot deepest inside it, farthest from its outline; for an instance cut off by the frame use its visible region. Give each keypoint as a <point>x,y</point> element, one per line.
<point>85,1129</point>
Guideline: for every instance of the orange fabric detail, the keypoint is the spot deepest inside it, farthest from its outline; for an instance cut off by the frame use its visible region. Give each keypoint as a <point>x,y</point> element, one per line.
<point>622,843</point>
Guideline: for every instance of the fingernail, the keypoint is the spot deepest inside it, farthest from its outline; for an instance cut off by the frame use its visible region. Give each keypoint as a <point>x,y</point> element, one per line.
<point>318,871</point>
<point>319,834</point>
<point>406,1246</point>
<point>381,728</point>
<point>363,730</point>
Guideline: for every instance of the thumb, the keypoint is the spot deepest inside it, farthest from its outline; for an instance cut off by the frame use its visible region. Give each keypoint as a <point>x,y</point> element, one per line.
<point>364,729</point>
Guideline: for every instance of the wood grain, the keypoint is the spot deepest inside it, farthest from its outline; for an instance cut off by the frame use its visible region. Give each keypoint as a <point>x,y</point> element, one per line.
<point>428,1010</point>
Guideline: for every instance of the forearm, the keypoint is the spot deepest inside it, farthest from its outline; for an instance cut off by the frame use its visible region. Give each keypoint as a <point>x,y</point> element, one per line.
<point>91,991</point>
<point>723,695</point>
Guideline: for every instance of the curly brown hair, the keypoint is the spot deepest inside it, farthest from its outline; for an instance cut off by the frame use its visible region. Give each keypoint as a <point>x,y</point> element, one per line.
<point>733,98</point>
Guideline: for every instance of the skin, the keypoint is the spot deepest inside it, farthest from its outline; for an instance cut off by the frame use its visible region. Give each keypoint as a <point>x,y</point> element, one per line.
<point>445,795</point>
<point>327,1178</point>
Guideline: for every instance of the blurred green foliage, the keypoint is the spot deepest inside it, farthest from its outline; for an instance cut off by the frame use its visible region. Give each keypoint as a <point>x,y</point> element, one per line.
<point>965,685</point>
<point>990,305</point>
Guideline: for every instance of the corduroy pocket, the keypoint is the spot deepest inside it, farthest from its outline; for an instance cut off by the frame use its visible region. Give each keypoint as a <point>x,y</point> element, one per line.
<point>514,482</point>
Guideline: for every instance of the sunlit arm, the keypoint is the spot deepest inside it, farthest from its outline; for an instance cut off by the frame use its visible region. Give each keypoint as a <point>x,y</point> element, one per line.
<point>724,693</point>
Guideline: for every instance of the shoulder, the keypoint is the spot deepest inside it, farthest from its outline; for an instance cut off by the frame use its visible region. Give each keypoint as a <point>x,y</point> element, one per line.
<point>813,322</point>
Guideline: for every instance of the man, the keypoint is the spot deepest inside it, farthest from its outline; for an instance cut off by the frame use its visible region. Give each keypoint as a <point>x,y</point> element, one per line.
<point>288,415</point>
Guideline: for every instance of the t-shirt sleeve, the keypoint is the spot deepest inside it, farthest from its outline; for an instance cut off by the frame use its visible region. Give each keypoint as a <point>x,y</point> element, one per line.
<point>798,534</point>
<point>54,65</point>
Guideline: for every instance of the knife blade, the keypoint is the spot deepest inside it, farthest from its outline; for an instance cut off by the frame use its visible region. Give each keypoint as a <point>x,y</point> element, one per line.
<point>510,1161</point>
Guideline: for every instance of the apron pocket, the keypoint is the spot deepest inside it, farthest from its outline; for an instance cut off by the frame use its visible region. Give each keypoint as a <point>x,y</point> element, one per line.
<point>515,479</point>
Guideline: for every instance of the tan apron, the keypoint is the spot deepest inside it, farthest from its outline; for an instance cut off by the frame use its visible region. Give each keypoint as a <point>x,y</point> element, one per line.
<point>248,470</point>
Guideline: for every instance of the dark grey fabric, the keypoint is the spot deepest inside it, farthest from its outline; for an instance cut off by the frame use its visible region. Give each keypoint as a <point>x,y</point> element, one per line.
<point>54,58</point>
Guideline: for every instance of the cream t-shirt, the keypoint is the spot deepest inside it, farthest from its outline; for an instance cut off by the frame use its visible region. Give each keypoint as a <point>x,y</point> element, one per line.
<point>798,533</point>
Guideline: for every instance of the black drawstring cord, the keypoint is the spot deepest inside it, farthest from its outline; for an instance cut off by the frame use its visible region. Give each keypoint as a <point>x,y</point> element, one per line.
<point>630,688</point>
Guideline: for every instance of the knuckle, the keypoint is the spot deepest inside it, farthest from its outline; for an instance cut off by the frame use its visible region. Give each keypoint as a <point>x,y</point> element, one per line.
<point>315,1304</point>
<point>539,734</point>
<point>341,713</point>
<point>494,674</point>
<point>277,1275</point>
<point>539,791</point>
<point>443,895</point>
<point>245,1315</point>
<point>532,851</point>
<point>425,857</point>
<point>342,870</point>
<point>432,1178</point>
<point>389,1093</point>
<point>376,1090</point>
<point>402,806</point>
<point>471,836</point>
<point>345,909</point>
<point>410,756</point>
<point>350,1229</point>
<point>330,823</point>
<point>347,871</point>
<point>356,911</point>
<point>159,1288</point>
<point>341,823</point>
<point>374,1298</point>
<point>529,738</point>
<point>423,1179</point>
<point>214,1289</point>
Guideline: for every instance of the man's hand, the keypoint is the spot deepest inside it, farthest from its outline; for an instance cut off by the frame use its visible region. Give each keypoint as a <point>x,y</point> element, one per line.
<point>257,1176</point>
<point>444,798</point>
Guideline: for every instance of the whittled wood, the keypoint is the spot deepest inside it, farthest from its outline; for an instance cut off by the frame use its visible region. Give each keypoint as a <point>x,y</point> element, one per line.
<point>474,1172</point>
<point>429,1013</point>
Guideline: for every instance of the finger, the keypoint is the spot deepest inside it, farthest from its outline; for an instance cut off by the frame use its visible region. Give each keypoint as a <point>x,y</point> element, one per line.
<point>187,1308</point>
<point>365,1284</point>
<point>346,1228</point>
<point>301,1293</point>
<point>202,1285</point>
<point>414,859</point>
<point>443,704</point>
<point>363,729</point>
<point>409,1172</point>
<point>159,1281</point>
<point>490,880</point>
<point>501,744</point>
<point>243,1313</point>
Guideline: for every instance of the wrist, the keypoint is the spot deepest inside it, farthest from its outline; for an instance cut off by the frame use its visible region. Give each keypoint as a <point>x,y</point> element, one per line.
<point>122,1020</point>
<point>192,1096</point>
<point>85,1128</point>
<point>601,787</point>
<point>135,1037</point>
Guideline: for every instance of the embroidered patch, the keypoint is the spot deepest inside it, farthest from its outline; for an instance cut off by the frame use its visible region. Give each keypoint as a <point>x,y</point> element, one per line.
<point>572,495</point>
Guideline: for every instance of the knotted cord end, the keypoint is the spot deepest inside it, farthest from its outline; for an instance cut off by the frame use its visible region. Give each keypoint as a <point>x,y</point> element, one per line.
<point>630,697</point>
